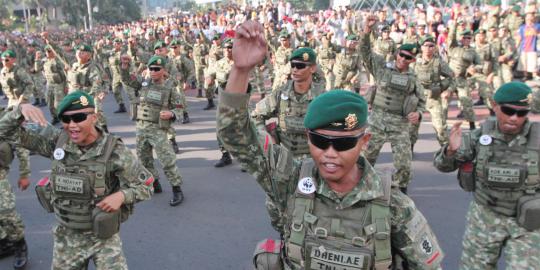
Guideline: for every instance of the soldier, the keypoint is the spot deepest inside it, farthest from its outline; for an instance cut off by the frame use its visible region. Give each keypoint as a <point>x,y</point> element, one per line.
<point>114,65</point>
<point>200,52</point>
<point>397,102</point>
<point>498,164</point>
<point>464,62</point>
<point>326,58</point>
<point>34,68</point>
<point>159,105</point>
<point>484,78</point>
<point>11,225</point>
<point>514,20</point>
<point>410,34</point>
<point>508,55</point>
<point>53,69</point>
<point>218,76</point>
<point>214,54</point>
<point>94,181</point>
<point>436,77</point>
<point>185,73</point>
<point>282,69</point>
<point>335,202</point>
<point>384,45</point>
<point>347,66</point>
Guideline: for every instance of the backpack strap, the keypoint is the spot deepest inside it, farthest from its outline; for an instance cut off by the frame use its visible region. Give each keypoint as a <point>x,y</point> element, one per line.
<point>380,217</point>
<point>100,183</point>
<point>533,151</point>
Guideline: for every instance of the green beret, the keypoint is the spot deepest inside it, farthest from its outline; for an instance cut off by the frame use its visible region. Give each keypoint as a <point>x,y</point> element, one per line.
<point>412,48</point>
<point>304,54</point>
<point>496,2</point>
<point>411,24</point>
<point>159,44</point>
<point>48,47</point>
<point>156,60</point>
<point>385,28</point>
<point>516,93</point>
<point>337,110</point>
<point>8,53</point>
<point>216,37</point>
<point>466,32</point>
<point>175,42</point>
<point>66,42</point>
<point>84,48</point>
<point>480,31</point>
<point>75,101</point>
<point>118,40</point>
<point>352,37</point>
<point>427,38</point>
<point>284,34</point>
<point>227,43</point>
<point>516,8</point>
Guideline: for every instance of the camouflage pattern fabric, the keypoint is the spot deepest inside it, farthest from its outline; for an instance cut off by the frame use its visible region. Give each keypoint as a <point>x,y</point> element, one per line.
<point>464,98</point>
<point>56,83</point>
<point>11,225</point>
<point>16,83</point>
<point>282,68</point>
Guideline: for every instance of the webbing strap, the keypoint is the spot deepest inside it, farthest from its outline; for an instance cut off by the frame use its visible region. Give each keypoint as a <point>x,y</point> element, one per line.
<point>380,216</point>
<point>100,185</point>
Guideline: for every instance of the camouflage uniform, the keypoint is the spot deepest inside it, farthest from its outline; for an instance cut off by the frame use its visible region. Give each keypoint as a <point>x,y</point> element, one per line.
<point>186,73</point>
<point>279,174</point>
<point>74,241</point>
<point>282,68</point>
<point>116,82</point>
<point>507,48</point>
<point>200,51</point>
<point>346,68</point>
<point>394,99</point>
<point>513,21</point>
<point>152,132</point>
<point>489,56</point>
<point>34,68</point>
<point>459,59</point>
<point>214,54</point>
<point>385,47</point>
<point>429,73</point>
<point>326,58</point>
<point>500,171</point>
<point>53,71</point>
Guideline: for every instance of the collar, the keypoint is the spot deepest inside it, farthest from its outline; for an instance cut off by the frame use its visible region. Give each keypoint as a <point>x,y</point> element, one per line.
<point>520,138</point>
<point>95,150</point>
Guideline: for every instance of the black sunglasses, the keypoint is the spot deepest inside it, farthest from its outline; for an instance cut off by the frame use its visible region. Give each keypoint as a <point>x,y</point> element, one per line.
<point>173,47</point>
<point>429,45</point>
<point>339,143</point>
<point>156,69</point>
<point>511,111</point>
<point>77,117</point>
<point>298,65</point>
<point>406,56</point>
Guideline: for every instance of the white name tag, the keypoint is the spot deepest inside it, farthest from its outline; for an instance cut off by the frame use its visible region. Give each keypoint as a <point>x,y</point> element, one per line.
<point>70,185</point>
<point>503,175</point>
<point>332,259</point>
<point>154,95</point>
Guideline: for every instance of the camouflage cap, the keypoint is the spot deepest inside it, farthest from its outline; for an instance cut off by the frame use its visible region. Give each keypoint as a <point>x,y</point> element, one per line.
<point>515,93</point>
<point>156,60</point>
<point>304,54</point>
<point>85,48</point>
<point>337,110</point>
<point>8,53</point>
<point>216,37</point>
<point>75,101</point>
<point>159,44</point>
<point>412,48</point>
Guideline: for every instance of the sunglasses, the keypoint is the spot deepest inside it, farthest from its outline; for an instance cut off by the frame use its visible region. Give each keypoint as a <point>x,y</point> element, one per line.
<point>77,117</point>
<point>339,143</point>
<point>174,47</point>
<point>155,69</point>
<point>467,37</point>
<point>406,56</point>
<point>511,111</point>
<point>429,45</point>
<point>298,65</point>
<point>228,48</point>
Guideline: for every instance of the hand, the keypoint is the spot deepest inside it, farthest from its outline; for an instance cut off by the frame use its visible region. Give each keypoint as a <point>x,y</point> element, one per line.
<point>454,140</point>
<point>249,48</point>
<point>445,95</point>
<point>413,117</point>
<point>112,202</point>
<point>354,81</point>
<point>370,22</point>
<point>166,115</point>
<point>125,60</point>
<point>101,96</point>
<point>45,36</point>
<point>471,70</point>
<point>23,183</point>
<point>502,59</point>
<point>186,86</point>
<point>38,55</point>
<point>489,78</point>
<point>33,114</point>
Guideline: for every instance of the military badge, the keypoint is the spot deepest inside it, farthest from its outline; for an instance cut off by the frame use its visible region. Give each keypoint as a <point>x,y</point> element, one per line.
<point>158,61</point>
<point>414,50</point>
<point>305,56</point>
<point>59,153</point>
<point>351,121</point>
<point>84,101</point>
<point>485,140</point>
<point>284,96</point>
<point>306,185</point>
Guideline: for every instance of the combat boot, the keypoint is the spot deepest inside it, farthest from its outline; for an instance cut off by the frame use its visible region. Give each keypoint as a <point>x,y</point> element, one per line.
<point>43,103</point>
<point>121,108</point>
<point>36,102</point>
<point>480,102</point>
<point>199,93</point>
<point>6,248</point>
<point>460,115</point>
<point>174,145</point>
<point>403,190</point>
<point>210,105</point>
<point>21,254</point>
<point>224,161</point>
<point>472,126</point>
<point>178,196</point>
<point>186,118</point>
<point>157,186</point>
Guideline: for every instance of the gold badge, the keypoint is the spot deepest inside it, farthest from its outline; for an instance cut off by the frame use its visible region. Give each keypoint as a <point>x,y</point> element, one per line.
<point>158,61</point>
<point>84,101</point>
<point>528,100</point>
<point>414,50</point>
<point>351,121</point>
<point>305,56</point>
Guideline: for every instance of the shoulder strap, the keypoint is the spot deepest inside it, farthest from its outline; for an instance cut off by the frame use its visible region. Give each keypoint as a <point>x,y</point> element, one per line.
<point>62,139</point>
<point>488,126</point>
<point>100,183</point>
<point>534,136</point>
<point>380,217</point>
<point>533,149</point>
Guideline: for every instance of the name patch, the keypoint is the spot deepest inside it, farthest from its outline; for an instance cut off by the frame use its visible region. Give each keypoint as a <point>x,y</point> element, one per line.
<point>503,175</point>
<point>338,260</point>
<point>69,184</point>
<point>154,95</point>
<point>397,79</point>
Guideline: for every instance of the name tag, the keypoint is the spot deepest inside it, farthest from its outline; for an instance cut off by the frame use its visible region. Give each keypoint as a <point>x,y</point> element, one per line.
<point>331,259</point>
<point>397,79</point>
<point>68,184</point>
<point>154,95</point>
<point>503,175</point>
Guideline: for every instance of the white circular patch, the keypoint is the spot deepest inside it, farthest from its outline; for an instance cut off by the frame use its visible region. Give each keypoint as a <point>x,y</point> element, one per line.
<point>306,185</point>
<point>426,246</point>
<point>485,140</point>
<point>284,97</point>
<point>144,84</point>
<point>59,153</point>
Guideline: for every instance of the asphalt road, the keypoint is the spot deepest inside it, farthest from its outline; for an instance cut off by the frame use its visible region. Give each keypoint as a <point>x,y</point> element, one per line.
<point>223,216</point>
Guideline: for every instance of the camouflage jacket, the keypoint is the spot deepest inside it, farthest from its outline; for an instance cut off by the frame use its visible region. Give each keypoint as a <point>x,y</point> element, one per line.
<point>278,173</point>
<point>16,83</point>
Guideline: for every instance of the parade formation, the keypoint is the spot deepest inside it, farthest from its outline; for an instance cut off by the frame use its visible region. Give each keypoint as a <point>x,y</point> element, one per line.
<point>304,102</point>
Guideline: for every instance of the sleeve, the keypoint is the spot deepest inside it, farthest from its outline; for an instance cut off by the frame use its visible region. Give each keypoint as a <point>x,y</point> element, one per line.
<point>27,84</point>
<point>189,69</point>
<point>421,107</point>
<point>447,74</point>
<point>175,103</point>
<point>135,180</point>
<point>130,80</point>
<point>372,61</point>
<point>96,80</point>
<point>24,162</point>
<point>265,109</point>
<point>466,152</point>
<point>411,235</point>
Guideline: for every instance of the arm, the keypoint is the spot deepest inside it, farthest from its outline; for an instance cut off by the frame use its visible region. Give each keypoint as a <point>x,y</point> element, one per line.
<point>264,110</point>
<point>372,61</point>
<point>175,104</point>
<point>447,74</point>
<point>26,83</point>
<point>135,180</point>
<point>411,234</point>
<point>451,40</point>
<point>127,79</point>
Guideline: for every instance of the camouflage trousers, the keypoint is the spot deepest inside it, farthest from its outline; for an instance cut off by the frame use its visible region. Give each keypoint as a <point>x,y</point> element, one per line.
<point>485,90</point>
<point>199,75</point>
<point>149,139</point>
<point>401,152</point>
<point>55,94</point>
<point>39,84</point>
<point>465,100</point>
<point>488,233</point>
<point>117,89</point>
<point>11,225</point>
<point>74,249</point>
<point>258,81</point>
<point>438,120</point>
<point>330,78</point>
<point>180,90</point>
<point>23,155</point>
